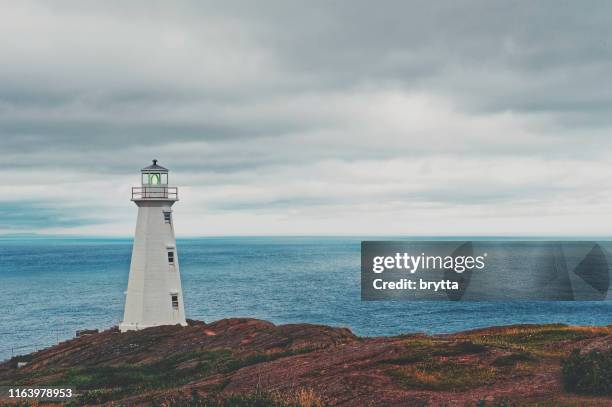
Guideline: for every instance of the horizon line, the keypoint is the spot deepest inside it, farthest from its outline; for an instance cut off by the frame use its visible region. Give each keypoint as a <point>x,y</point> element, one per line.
<point>453,236</point>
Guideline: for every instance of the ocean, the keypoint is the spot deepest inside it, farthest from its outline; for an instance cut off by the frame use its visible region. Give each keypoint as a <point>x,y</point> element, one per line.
<point>51,287</point>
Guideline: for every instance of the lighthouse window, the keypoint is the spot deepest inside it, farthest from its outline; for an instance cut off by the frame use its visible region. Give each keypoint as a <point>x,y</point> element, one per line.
<point>171,257</point>
<point>168,217</point>
<point>154,179</point>
<point>175,303</point>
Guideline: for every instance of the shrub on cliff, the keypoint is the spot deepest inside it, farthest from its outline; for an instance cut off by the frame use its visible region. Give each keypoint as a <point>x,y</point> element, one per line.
<point>589,373</point>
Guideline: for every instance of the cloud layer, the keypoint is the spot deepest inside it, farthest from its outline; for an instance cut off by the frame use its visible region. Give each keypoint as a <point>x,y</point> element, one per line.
<point>471,117</point>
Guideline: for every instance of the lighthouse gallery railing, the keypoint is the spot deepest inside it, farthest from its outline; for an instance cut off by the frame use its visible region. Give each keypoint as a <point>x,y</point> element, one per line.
<point>155,193</point>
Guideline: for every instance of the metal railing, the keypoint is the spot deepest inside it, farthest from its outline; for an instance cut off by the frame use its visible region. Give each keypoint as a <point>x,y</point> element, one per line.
<point>43,336</point>
<point>52,338</point>
<point>139,193</point>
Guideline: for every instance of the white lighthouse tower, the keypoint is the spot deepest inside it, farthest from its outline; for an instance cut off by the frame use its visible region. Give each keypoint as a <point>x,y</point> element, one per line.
<point>154,296</point>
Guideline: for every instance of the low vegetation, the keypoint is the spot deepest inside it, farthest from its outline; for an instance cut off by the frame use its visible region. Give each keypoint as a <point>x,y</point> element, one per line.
<point>535,338</point>
<point>107,383</point>
<point>251,363</point>
<point>513,358</point>
<point>443,375</point>
<point>588,373</point>
<point>259,398</point>
<point>422,349</point>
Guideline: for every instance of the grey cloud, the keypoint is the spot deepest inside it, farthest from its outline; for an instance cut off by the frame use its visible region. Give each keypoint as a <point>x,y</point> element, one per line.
<point>238,95</point>
<point>491,56</point>
<point>24,215</point>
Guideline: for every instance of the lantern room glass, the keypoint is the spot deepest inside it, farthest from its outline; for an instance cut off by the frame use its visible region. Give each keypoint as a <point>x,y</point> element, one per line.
<point>154,179</point>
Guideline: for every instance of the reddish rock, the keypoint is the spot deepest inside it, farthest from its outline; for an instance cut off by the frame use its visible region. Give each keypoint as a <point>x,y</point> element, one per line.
<point>239,355</point>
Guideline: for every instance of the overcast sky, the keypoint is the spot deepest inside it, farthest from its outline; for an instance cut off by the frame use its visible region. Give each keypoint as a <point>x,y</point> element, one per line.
<point>317,117</point>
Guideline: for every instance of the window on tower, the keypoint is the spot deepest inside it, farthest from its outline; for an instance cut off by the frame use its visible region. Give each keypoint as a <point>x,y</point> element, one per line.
<point>167,217</point>
<point>175,302</point>
<point>171,257</point>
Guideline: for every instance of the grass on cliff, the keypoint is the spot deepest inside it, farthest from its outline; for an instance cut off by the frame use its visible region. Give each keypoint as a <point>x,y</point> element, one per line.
<point>432,364</point>
<point>536,338</point>
<point>107,383</point>
<point>301,397</point>
<point>164,373</point>
<point>513,359</point>
<point>259,398</point>
<point>443,375</point>
<point>422,349</point>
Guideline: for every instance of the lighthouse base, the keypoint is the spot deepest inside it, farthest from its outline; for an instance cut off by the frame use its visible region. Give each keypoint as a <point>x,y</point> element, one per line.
<point>124,327</point>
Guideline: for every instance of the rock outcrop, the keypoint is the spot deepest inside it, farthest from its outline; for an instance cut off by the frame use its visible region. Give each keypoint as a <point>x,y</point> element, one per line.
<point>305,364</point>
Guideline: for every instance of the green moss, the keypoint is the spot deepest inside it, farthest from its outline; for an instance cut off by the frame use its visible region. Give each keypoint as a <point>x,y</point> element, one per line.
<point>108,377</point>
<point>425,350</point>
<point>513,359</point>
<point>443,375</point>
<point>253,359</point>
<point>107,383</point>
<point>533,338</point>
<point>460,348</point>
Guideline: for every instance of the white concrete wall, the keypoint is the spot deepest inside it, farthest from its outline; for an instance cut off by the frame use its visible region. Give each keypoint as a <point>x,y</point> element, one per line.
<point>152,279</point>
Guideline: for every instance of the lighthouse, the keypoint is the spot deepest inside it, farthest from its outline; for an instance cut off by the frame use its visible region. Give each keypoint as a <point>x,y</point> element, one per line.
<point>154,296</point>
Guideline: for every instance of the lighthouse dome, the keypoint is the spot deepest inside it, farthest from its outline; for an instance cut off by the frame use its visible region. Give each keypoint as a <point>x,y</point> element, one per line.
<point>155,168</point>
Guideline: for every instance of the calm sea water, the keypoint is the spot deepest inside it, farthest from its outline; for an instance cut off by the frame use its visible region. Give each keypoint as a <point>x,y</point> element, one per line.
<point>50,287</point>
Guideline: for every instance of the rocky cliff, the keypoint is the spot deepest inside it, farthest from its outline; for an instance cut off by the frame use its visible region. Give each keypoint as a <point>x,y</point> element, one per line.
<point>244,361</point>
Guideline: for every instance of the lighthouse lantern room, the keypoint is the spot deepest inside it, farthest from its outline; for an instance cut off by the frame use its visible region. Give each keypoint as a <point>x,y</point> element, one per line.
<point>154,296</point>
